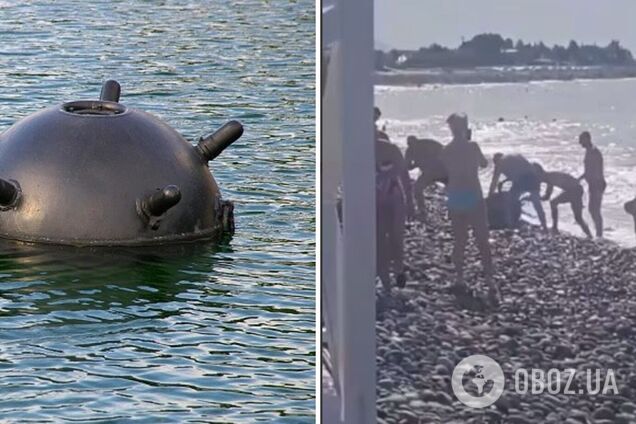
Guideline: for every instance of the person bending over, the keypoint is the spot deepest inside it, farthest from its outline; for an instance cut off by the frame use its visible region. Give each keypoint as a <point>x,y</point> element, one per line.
<point>466,206</point>
<point>524,179</point>
<point>572,193</point>
<point>424,154</point>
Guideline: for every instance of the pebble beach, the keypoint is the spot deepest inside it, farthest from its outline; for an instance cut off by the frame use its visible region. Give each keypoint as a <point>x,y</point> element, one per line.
<point>568,303</point>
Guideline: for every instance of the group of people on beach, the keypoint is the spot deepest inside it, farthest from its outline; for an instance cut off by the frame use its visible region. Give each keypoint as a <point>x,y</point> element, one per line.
<point>457,165</point>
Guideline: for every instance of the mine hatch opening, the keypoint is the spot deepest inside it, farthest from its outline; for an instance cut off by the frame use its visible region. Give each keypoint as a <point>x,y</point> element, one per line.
<point>97,108</point>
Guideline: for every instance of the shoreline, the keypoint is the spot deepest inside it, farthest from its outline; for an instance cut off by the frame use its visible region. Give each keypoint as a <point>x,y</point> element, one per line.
<point>416,77</point>
<point>568,302</point>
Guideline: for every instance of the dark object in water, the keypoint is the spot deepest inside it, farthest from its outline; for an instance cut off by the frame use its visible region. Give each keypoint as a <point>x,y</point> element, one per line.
<point>503,212</point>
<point>630,208</point>
<point>99,173</point>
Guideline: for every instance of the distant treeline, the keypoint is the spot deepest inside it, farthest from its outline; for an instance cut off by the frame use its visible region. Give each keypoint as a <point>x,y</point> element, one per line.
<point>494,50</point>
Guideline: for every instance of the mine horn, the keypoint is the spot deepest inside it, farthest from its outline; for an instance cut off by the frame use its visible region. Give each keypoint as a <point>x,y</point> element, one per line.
<point>9,193</point>
<point>152,207</point>
<point>212,145</point>
<point>110,91</point>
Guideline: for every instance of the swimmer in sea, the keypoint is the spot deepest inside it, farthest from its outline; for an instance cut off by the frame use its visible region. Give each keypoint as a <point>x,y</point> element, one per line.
<point>466,206</point>
<point>593,175</point>
<point>572,193</point>
<point>393,206</point>
<point>524,179</point>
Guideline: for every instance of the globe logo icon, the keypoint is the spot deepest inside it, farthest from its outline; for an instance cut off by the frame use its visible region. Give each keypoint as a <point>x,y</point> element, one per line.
<point>478,381</point>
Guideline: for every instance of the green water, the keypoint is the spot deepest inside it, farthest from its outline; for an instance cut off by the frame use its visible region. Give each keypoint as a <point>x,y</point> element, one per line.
<point>198,333</point>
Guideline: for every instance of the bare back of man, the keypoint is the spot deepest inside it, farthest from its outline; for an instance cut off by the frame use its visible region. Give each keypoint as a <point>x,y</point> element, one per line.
<point>520,171</point>
<point>572,193</point>
<point>425,154</point>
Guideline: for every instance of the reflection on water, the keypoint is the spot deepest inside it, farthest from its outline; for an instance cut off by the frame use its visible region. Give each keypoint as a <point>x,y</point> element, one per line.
<point>148,331</point>
<point>190,333</point>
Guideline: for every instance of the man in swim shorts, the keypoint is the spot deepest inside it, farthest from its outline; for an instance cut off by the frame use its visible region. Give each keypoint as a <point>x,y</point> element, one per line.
<point>393,205</point>
<point>524,179</point>
<point>572,193</point>
<point>466,206</point>
<point>593,175</point>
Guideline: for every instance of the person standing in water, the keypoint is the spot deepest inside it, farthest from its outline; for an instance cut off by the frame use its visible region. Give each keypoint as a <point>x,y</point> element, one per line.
<point>524,179</point>
<point>572,193</point>
<point>466,206</point>
<point>595,178</point>
<point>393,205</point>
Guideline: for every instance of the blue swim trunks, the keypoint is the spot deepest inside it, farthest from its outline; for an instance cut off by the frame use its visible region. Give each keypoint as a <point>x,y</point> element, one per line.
<point>463,200</point>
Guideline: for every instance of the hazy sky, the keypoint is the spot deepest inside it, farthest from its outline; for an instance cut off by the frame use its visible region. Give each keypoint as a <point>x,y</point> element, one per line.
<point>413,23</point>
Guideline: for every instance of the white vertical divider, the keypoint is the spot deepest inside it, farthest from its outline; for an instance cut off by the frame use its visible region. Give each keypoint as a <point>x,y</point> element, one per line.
<point>348,163</point>
<point>356,288</point>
